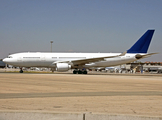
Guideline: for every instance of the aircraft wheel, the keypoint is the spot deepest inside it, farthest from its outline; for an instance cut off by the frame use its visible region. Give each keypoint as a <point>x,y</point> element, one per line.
<point>75,72</point>
<point>85,72</point>
<point>21,71</point>
<point>80,72</point>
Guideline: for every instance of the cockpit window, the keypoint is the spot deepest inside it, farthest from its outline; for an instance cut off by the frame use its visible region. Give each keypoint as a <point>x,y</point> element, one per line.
<point>9,56</point>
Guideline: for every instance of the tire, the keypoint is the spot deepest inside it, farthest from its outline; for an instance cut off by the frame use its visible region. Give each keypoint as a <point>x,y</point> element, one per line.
<point>21,71</point>
<point>84,72</point>
<point>80,72</point>
<point>74,72</point>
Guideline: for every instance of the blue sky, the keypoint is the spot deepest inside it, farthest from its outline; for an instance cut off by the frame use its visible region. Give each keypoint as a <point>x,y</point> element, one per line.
<point>78,25</point>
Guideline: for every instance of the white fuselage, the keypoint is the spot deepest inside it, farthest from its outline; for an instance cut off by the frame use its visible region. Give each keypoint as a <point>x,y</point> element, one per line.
<point>37,59</point>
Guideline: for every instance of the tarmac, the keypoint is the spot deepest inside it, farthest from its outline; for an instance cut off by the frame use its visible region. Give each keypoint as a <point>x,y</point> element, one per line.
<point>119,94</point>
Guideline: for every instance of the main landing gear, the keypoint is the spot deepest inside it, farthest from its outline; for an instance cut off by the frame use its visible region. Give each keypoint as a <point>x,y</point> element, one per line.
<point>76,71</point>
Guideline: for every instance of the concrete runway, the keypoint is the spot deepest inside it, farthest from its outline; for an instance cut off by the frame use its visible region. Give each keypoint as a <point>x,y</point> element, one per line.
<point>78,94</point>
<point>106,93</point>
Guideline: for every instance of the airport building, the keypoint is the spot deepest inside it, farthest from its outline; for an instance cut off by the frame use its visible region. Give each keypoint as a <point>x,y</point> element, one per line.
<point>135,67</point>
<point>149,67</point>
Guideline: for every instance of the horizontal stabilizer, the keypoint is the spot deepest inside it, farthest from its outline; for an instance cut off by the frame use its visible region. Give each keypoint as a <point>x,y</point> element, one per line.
<point>138,56</point>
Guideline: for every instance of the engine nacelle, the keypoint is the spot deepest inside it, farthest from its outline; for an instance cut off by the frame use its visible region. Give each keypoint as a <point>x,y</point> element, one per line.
<point>62,67</point>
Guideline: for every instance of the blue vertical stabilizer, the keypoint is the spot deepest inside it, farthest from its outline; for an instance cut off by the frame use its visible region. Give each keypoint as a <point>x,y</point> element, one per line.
<point>142,45</point>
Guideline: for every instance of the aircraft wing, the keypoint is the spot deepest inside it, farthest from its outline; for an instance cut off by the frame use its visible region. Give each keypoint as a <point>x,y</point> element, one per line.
<point>89,60</point>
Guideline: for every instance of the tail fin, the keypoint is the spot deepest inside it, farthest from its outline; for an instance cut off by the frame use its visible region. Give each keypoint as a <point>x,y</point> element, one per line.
<point>142,45</point>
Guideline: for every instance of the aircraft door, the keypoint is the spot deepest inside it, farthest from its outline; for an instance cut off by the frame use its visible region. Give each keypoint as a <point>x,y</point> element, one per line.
<point>43,58</point>
<point>19,59</point>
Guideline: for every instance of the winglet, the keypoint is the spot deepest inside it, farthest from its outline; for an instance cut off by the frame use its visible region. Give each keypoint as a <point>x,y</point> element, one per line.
<point>142,45</point>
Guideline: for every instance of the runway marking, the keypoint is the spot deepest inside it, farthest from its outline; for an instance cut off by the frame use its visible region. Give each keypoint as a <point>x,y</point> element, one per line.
<point>78,94</point>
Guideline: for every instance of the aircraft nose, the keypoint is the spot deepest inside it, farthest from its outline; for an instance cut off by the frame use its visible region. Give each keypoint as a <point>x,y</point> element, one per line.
<point>5,60</point>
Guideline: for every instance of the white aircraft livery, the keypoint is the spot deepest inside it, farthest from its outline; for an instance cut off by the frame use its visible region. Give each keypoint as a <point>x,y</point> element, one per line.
<point>81,61</point>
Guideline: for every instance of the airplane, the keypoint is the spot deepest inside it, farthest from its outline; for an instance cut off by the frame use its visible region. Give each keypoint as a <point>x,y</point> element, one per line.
<point>80,62</point>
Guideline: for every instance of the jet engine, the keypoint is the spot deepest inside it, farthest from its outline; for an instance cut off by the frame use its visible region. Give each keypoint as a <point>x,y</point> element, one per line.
<point>62,67</point>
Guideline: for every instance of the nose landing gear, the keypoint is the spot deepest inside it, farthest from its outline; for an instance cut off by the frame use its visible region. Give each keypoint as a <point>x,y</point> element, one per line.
<point>21,71</point>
